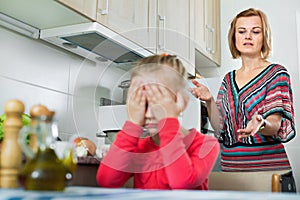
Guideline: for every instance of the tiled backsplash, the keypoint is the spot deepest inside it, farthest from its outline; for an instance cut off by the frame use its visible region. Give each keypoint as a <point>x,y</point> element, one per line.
<point>38,73</point>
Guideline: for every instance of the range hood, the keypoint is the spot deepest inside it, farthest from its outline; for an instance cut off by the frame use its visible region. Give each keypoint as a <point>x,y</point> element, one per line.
<point>95,42</point>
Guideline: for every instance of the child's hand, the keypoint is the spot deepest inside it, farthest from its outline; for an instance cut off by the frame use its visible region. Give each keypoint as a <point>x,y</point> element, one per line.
<point>136,102</point>
<point>162,102</point>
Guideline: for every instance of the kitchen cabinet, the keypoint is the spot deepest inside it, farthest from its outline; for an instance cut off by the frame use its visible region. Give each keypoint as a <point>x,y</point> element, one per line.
<point>39,14</point>
<point>206,28</point>
<point>86,7</point>
<point>173,30</point>
<point>130,18</point>
<point>161,26</point>
<point>187,28</point>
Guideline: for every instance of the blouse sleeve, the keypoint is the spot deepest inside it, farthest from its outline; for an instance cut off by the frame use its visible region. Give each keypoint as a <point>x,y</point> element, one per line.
<point>223,106</point>
<point>279,99</point>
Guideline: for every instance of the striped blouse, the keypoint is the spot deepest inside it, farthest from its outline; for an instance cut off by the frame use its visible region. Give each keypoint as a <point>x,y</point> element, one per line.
<point>269,92</point>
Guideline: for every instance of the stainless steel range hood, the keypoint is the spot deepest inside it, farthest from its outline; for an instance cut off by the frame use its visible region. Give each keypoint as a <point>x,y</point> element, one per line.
<point>95,42</point>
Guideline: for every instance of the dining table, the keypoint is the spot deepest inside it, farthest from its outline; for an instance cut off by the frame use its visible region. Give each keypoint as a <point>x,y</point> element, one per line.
<point>84,192</point>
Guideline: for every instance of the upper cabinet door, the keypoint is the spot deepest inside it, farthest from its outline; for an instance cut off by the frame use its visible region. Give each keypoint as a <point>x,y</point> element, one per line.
<point>129,18</point>
<point>85,7</point>
<point>173,30</point>
<point>213,35</point>
<point>207,28</point>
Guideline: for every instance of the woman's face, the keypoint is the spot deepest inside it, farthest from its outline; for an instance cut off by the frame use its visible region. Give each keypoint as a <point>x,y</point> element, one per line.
<point>249,36</point>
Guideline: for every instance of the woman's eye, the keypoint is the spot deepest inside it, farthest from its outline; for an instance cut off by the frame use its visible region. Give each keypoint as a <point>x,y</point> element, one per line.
<point>241,32</point>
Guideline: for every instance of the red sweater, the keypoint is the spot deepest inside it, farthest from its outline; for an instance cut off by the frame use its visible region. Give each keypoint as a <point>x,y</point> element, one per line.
<point>179,162</point>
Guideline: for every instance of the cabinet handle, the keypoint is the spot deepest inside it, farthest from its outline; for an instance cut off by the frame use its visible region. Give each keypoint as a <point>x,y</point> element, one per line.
<point>213,32</point>
<point>210,41</point>
<point>105,11</point>
<point>163,20</point>
<point>207,38</point>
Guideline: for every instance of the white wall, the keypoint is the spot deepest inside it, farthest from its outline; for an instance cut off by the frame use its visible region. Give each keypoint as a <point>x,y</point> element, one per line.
<point>282,19</point>
<point>36,72</point>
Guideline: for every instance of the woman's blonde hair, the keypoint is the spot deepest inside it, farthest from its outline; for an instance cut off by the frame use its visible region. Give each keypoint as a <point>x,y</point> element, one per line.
<point>266,47</point>
<point>161,63</point>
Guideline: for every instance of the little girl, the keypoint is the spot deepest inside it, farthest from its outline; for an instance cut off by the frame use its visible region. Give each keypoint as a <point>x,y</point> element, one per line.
<point>169,156</point>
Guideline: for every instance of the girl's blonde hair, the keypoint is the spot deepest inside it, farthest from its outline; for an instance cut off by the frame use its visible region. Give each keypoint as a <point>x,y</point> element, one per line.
<point>266,47</point>
<point>162,65</point>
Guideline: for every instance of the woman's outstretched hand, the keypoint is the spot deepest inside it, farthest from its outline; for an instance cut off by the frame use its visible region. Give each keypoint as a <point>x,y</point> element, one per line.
<point>200,91</point>
<point>252,127</point>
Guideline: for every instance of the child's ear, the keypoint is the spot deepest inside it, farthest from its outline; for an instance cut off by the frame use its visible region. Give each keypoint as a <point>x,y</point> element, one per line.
<point>186,100</point>
<point>182,100</point>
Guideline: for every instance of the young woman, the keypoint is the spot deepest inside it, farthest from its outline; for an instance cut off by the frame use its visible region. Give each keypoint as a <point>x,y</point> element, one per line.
<point>254,103</point>
<point>167,156</point>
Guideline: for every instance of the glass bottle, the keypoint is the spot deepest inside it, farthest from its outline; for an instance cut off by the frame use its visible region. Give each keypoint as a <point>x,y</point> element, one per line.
<point>43,169</point>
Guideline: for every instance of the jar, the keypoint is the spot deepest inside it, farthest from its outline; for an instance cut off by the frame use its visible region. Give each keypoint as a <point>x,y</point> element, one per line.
<point>124,85</point>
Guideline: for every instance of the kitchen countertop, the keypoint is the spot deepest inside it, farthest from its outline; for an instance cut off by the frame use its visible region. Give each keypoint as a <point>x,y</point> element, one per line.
<point>76,192</point>
<point>88,160</point>
<point>85,174</point>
